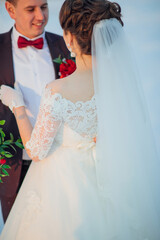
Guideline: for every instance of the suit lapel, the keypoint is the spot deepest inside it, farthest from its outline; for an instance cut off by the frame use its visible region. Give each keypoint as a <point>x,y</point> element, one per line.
<point>6,57</point>
<point>54,51</point>
<point>6,60</point>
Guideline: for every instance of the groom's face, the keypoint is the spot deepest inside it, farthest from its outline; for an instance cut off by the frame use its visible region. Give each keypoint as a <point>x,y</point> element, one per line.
<point>30,16</point>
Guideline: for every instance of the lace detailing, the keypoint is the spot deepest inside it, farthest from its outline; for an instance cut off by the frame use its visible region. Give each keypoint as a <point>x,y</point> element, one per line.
<point>46,127</point>
<point>54,109</point>
<point>80,116</point>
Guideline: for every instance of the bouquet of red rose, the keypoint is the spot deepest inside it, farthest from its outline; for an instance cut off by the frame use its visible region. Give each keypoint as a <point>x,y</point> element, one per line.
<point>5,151</point>
<point>67,66</point>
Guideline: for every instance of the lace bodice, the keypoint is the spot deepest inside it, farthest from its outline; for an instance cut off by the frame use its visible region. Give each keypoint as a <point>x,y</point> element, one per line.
<point>55,111</point>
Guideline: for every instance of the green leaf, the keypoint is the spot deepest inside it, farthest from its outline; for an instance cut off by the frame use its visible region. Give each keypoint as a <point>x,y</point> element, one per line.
<point>2,152</point>
<point>4,147</point>
<point>11,136</point>
<point>58,60</point>
<point>1,180</point>
<point>2,175</point>
<point>2,122</point>
<point>5,172</point>
<point>13,148</point>
<point>8,155</point>
<point>6,166</point>
<point>2,134</point>
<point>7,142</point>
<point>20,145</point>
<point>6,152</point>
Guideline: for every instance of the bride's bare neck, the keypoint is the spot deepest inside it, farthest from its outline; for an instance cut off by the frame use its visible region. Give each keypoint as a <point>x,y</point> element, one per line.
<point>83,63</point>
<point>79,85</point>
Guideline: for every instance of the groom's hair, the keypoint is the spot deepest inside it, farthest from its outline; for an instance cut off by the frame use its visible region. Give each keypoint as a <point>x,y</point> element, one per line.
<point>14,2</point>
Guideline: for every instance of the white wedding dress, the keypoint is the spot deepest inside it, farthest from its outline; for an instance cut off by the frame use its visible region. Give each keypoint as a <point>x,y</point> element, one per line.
<point>82,192</point>
<point>59,199</point>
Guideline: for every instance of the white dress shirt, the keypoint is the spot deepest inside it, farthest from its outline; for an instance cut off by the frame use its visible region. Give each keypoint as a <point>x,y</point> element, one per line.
<point>33,69</point>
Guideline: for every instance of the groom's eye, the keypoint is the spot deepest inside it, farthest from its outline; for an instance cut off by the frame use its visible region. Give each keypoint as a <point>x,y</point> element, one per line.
<point>30,9</point>
<point>44,7</point>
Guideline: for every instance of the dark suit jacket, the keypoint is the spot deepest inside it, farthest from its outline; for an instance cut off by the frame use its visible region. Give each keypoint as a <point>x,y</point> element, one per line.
<point>56,47</point>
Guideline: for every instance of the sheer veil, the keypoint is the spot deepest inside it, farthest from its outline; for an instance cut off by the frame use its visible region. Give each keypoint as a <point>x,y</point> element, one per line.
<point>127,164</point>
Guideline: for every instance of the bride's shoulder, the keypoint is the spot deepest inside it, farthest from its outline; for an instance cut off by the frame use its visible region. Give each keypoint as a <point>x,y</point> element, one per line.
<point>62,86</point>
<point>57,86</point>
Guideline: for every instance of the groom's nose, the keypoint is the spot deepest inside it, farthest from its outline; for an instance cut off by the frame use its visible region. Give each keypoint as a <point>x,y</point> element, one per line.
<point>39,14</point>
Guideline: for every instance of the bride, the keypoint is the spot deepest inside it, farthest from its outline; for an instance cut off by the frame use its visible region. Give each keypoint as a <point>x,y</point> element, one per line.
<point>77,189</point>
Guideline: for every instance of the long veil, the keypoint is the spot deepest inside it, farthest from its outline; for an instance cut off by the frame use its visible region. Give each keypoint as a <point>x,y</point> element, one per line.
<point>127,164</point>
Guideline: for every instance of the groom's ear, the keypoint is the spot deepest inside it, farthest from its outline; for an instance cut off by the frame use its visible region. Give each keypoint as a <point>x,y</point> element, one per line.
<point>10,9</point>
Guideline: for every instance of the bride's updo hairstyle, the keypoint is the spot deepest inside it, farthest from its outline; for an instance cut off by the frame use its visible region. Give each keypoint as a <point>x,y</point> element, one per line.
<point>79,16</point>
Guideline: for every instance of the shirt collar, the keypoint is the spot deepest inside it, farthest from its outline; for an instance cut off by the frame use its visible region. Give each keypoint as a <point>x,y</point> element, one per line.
<point>16,34</point>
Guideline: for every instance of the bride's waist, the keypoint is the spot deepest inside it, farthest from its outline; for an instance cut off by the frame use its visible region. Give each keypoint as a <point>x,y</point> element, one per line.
<point>81,145</point>
<point>85,151</point>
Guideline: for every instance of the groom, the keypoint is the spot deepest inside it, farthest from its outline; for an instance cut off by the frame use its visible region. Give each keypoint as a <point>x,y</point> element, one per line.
<point>26,55</point>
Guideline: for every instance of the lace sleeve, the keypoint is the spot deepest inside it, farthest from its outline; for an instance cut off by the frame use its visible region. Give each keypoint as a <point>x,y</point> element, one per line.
<point>46,127</point>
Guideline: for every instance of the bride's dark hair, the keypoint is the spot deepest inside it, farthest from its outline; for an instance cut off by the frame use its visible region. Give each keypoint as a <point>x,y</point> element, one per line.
<point>79,16</point>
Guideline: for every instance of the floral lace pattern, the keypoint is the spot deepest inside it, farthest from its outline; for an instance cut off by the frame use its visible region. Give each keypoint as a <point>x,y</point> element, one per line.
<point>80,116</point>
<point>55,111</point>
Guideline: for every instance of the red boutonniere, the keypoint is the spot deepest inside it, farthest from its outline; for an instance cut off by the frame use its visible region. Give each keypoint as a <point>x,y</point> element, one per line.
<point>7,150</point>
<point>67,66</point>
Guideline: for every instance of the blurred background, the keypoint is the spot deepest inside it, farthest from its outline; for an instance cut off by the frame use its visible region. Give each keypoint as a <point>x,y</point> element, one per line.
<point>142,25</point>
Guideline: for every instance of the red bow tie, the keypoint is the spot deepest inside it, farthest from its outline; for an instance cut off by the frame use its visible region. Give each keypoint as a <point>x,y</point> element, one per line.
<point>23,42</point>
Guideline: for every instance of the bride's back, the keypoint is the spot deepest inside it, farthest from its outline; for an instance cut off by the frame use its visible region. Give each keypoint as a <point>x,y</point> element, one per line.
<point>76,87</point>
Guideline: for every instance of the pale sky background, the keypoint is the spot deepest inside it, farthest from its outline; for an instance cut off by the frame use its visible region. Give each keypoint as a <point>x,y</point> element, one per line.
<point>142,24</point>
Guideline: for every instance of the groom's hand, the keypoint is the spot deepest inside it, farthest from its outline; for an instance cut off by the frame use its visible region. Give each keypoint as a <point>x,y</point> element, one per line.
<point>11,97</point>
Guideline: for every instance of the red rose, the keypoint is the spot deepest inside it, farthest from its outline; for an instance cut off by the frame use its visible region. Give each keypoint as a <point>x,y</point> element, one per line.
<point>2,161</point>
<point>66,68</point>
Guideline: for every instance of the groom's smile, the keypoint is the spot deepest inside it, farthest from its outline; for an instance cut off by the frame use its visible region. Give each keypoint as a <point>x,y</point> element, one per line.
<point>31,16</point>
